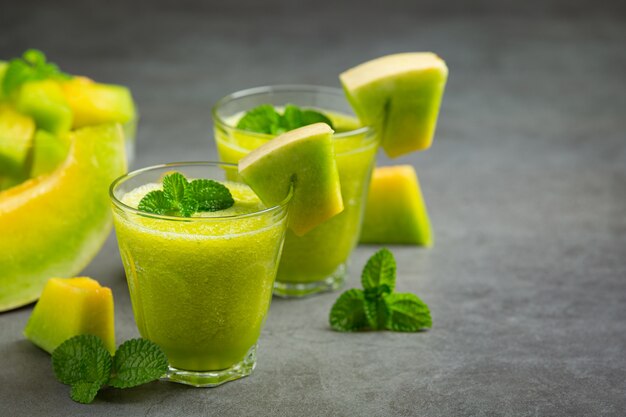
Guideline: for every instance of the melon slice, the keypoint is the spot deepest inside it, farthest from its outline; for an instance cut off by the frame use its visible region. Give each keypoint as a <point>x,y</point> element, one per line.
<point>16,135</point>
<point>95,103</point>
<point>44,102</point>
<point>48,152</point>
<point>69,307</point>
<point>53,225</point>
<point>395,212</point>
<point>302,158</point>
<point>400,95</point>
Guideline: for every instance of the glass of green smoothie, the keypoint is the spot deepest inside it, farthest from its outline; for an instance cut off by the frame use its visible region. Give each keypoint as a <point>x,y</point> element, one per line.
<point>200,286</point>
<point>317,261</point>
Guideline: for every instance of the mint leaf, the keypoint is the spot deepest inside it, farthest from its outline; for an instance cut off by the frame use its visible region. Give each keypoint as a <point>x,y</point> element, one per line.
<point>261,119</point>
<point>155,202</point>
<point>265,119</point>
<point>32,66</point>
<point>311,116</point>
<point>377,313</point>
<point>136,362</point>
<point>347,314</point>
<point>407,313</point>
<point>82,362</point>
<point>211,195</point>
<point>84,392</point>
<point>379,274</point>
<point>292,117</point>
<point>174,187</point>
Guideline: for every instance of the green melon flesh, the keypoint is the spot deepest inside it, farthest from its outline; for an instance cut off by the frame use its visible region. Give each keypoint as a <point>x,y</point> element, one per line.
<point>3,69</point>
<point>69,307</point>
<point>95,103</point>
<point>400,95</point>
<point>54,224</point>
<point>302,158</point>
<point>16,135</point>
<point>395,212</point>
<point>48,152</point>
<point>44,102</point>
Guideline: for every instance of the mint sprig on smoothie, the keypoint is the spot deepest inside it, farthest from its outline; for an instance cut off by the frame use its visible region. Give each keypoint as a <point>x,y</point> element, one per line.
<point>266,119</point>
<point>180,197</point>
<point>377,306</point>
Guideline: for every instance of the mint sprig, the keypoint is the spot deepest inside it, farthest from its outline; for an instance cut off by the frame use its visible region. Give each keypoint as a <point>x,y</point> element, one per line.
<point>180,197</point>
<point>377,307</point>
<point>265,119</point>
<point>32,66</point>
<point>84,363</point>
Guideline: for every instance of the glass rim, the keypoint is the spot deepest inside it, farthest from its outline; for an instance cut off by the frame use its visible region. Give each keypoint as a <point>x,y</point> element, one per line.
<point>126,208</point>
<point>305,88</point>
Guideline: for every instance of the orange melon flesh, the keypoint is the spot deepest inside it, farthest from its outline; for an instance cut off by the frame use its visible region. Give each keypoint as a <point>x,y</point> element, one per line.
<point>303,158</point>
<point>96,103</point>
<point>400,95</point>
<point>54,224</point>
<point>395,212</point>
<point>69,307</point>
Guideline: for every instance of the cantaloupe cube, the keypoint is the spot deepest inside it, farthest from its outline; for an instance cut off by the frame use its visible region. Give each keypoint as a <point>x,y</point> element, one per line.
<point>69,307</point>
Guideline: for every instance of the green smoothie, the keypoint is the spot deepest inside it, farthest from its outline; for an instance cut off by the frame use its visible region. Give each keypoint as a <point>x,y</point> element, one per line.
<point>323,252</point>
<point>201,286</point>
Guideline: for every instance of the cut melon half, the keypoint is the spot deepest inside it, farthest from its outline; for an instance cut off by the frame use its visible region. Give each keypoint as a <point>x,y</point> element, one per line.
<point>69,307</point>
<point>400,95</point>
<point>54,224</point>
<point>303,159</point>
<point>395,212</point>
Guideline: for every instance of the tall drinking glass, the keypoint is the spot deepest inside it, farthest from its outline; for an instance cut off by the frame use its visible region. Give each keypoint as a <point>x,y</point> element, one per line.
<point>200,286</point>
<point>317,261</point>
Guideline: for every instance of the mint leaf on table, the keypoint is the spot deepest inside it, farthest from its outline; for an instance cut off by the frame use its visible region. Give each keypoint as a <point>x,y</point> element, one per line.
<point>136,362</point>
<point>376,313</point>
<point>379,274</point>
<point>180,197</point>
<point>377,307</point>
<point>211,195</point>
<point>84,363</point>
<point>347,314</point>
<point>266,119</point>
<point>407,313</point>
<point>32,66</point>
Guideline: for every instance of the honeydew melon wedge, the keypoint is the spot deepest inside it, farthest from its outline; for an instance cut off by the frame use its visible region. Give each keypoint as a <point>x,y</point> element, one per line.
<point>400,95</point>
<point>395,212</point>
<point>53,225</point>
<point>302,158</point>
<point>69,307</point>
<point>95,103</point>
<point>44,102</point>
<point>16,135</point>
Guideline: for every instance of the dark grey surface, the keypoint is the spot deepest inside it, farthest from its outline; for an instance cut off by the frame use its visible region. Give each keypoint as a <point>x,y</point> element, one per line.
<point>526,186</point>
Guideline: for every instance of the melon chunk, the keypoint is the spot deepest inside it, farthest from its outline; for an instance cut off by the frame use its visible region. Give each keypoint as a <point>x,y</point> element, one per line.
<point>95,103</point>
<point>395,212</point>
<point>48,152</point>
<point>302,158</point>
<point>44,102</point>
<point>400,95</point>
<point>69,307</point>
<point>54,224</point>
<point>16,135</point>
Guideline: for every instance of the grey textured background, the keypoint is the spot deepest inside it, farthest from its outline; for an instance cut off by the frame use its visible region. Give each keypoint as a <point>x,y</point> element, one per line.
<point>525,183</point>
